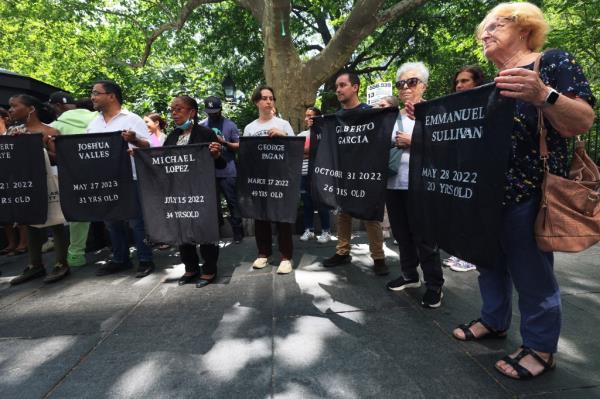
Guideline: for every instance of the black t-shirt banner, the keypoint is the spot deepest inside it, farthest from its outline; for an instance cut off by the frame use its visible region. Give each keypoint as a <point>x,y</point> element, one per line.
<point>23,185</point>
<point>269,177</point>
<point>458,159</point>
<point>350,164</point>
<point>178,194</point>
<point>94,175</point>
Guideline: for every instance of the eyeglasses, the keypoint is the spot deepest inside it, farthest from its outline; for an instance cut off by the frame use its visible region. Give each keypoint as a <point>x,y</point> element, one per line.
<point>176,110</point>
<point>495,26</point>
<point>97,93</point>
<point>410,82</point>
<point>267,98</point>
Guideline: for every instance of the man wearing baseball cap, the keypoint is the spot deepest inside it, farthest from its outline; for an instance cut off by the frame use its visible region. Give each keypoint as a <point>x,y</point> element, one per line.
<point>61,101</point>
<point>229,137</point>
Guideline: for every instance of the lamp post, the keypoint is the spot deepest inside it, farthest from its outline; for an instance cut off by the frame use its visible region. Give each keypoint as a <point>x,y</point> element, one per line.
<point>229,89</point>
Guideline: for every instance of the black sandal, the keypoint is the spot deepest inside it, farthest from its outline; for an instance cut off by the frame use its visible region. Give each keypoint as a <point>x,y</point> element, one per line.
<point>469,336</point>
<point>522,372</point>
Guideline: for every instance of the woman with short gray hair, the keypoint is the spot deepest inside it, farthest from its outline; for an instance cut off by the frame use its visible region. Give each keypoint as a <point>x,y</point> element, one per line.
<point>411,83</point>
<point>418,68</point>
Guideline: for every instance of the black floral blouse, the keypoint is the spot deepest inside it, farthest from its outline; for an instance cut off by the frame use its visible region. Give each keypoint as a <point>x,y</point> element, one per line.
<point>525,172</point>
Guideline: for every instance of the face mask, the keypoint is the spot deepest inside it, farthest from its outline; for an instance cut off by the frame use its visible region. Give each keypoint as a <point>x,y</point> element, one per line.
<point>184,125</point>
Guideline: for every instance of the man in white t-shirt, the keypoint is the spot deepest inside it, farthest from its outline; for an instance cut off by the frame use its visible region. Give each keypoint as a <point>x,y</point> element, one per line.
<point>107,98</point>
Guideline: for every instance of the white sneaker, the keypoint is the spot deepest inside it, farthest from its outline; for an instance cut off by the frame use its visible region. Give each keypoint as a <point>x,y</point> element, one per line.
<point>260,263</point>
<point>285,267</point>
<point>324,237</point>
<point>450,261</point>
<point>308,235</point>
<point>462,266</point>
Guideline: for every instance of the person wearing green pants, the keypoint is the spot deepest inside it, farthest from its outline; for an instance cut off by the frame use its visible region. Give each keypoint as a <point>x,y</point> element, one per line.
<point>74,118</point>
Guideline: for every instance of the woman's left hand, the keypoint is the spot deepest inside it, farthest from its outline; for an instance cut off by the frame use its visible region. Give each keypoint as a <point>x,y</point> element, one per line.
<point>49,143</point>
<point>215,149</point>
<point>522,84</point>
<point>46,139</point>
<point>403,140</point>
<point>274,132</point>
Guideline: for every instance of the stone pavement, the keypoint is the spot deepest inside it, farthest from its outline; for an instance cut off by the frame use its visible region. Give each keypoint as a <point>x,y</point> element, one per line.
<point>315,333</point>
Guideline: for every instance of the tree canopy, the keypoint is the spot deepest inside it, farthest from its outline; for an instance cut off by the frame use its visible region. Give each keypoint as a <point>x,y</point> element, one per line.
<point>157,49</point>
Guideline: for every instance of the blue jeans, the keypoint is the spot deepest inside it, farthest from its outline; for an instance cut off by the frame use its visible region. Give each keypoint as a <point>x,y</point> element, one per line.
<point>118,236</point>
<point>532,272</point>
<point>227,186</point>
<point>309,209</point>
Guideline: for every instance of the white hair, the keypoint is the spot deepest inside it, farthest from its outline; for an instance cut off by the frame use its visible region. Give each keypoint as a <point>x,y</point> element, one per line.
<point>421,69</point>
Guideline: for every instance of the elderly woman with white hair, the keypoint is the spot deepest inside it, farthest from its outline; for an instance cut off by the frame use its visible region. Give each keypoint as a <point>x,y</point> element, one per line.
<point>411,82</point>
<point>512,35</point>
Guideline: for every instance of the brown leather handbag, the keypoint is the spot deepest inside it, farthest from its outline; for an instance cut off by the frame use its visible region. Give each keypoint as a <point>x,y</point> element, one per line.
<point>569,215</point>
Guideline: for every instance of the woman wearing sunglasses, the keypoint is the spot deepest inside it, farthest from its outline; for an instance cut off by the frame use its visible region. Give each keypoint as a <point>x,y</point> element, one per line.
<point>411,82</point>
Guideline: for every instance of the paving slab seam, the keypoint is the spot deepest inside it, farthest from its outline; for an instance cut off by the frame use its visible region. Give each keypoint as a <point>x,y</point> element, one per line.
<point>560,390</point>
<point>273,326</point>
<point>69,283</point>
<point>580,293</point>
<point>493,376</point>
<point>2,308</point>
<point>48,336</point>
<point>254,275</point>
<point>330,312</point>
<point>103,338</point>
<point>487,371</point>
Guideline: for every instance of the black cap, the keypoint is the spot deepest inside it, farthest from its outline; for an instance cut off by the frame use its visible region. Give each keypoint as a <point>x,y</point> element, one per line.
<point>61,97</point>
<point>212,105</point>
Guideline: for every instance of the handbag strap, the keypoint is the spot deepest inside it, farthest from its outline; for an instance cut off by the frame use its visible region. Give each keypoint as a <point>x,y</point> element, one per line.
<point>543,132</point>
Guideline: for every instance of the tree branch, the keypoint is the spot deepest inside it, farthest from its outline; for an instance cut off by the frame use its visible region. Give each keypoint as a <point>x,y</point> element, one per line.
<point>299,7</point>
<point>364,18</point>
<point>323,29</point>
<point>362,57</point>
<point>399,9</point>
<point>314,47</point>
<point>256,8</point>
<point>381,67</point>
<point>184,14</point>
<point>306,21</point>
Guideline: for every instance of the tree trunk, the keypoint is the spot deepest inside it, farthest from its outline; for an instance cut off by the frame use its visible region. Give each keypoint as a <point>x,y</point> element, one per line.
<point>294,94</point>
<point>283,69</point>
<point>296,82</point>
